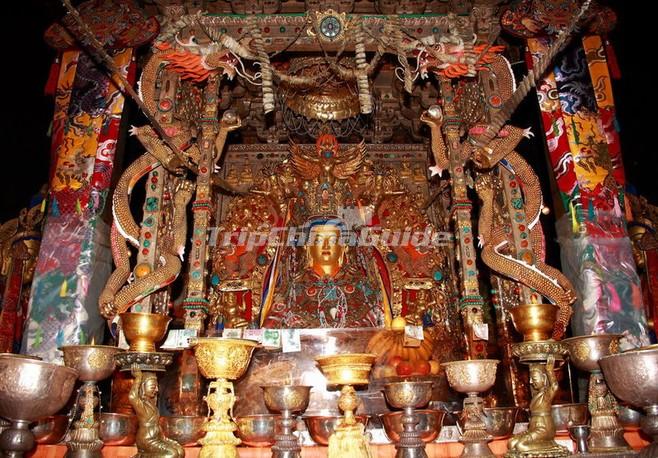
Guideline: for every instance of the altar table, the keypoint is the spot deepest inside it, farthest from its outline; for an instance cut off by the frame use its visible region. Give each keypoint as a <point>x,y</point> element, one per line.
<point>434,450</point>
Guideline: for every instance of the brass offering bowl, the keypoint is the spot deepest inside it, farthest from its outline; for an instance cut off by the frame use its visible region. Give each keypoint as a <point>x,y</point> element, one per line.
<point>406,394</point>
<point>221,358</point>
<point>320,427</point>
<point>118,428</point>
<point>347,369</point>
<point>586,351</point>
<point>50,430</point>
<point>257,430</point>
<point>290,398</point>
<point>429,424</point>
<point>471,376</point>
<point>144,330</point>
<point>534,321</point>
<point>567,415</point>
<point>30,389</point>
<point>632,376</point>
<point>93,362</point>
<point>186,430</point>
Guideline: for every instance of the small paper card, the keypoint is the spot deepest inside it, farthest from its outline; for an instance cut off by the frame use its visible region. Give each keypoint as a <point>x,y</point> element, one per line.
<point>291,341</point>
<point>232,333</point>
<point>413,335</point>
<point>178,339</point>
<point>481,331</point>
<point>253,334</point>
<point>272,338</point>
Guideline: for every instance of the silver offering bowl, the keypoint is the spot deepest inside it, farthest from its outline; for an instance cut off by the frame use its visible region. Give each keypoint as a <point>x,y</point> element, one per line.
<point>30,389</point>
<point>258,430</point>
<point>93,364</point>
<point>499,421</point>
<point>286,399</point>
<point>186,430</point>
<point>50,430</point>
<point>472,377</point>
<point>632,376</point>
<point>567,415</point>
<point>118,429</point>
<point>606,435</point>
<point>579,434</point>
<point>428,426</point>
<point>629,418</point>
<point>409,396</point>
<point>320,427</point>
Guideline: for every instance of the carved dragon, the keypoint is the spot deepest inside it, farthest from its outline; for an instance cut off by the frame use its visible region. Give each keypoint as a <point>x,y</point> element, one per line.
<point>170,261</point>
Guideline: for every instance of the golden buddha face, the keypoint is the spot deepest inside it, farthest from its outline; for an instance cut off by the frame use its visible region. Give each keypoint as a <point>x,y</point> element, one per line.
<point>325,253</point>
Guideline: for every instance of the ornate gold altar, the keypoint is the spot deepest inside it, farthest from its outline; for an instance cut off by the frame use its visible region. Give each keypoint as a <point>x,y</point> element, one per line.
<point>335,224</point>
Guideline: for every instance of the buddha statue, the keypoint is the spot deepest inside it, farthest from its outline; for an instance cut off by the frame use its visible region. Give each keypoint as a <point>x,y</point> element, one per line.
<point>333,289</point>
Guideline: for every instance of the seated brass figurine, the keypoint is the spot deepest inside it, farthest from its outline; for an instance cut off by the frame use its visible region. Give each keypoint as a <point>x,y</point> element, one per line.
<point>143,398</point>
<point>541,430</point>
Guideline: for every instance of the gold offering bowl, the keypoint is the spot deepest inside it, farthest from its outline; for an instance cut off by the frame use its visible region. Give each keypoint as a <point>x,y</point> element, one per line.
<point>534,321</point>
<point>30,389</point>
<point>586,351</point>
<point>406,394</point>
<point>347,369</point>
<point>93,362</point>
<point>471,376</point>
<point>286,398</point>
<point>223,358</point>
<point>144,330</point>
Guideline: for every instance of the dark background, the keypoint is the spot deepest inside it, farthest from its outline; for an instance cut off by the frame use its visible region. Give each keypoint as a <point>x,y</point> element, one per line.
<point>26,112</point>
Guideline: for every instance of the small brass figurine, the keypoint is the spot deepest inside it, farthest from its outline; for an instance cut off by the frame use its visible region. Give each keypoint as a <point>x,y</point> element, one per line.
<point>143,398</point>
<point>538,439</point>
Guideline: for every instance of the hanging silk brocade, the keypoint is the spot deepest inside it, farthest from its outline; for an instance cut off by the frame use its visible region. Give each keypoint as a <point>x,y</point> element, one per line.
<point>585,155</point>
<point>74,261</point>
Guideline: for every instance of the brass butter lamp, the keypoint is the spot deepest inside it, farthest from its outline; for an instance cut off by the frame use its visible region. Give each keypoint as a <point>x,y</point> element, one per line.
<point>143,332</point>
<point>540,352</point>
<point>221,360</point>
<point>348,370</point>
